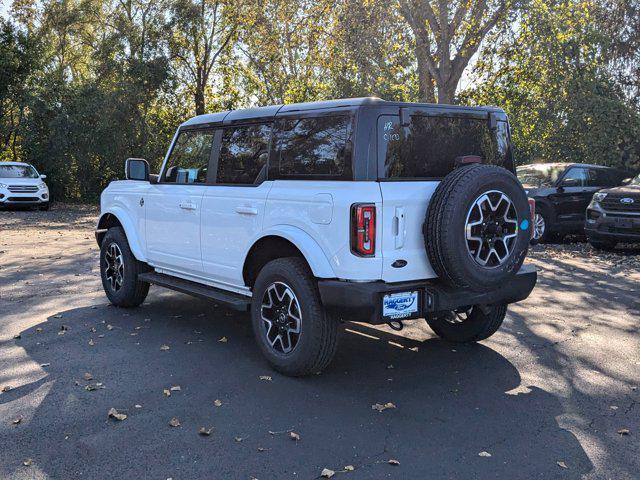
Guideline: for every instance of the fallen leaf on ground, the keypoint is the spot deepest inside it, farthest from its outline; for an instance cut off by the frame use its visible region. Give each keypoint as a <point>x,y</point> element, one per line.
<point>238,439</point>
<point>164,347</point>
<point>27,462</point>
<point>326,473</point>
<point>137,405</point>
<point>624,431</point>
<point>223,340</point>
<point>484,454</point>
<point>113,413</point>
<point>294,436</point>
<point>91,342</point>
<point>174,422</point>
<point>109,327</point>
<point>6,388</point>
<point>380,407</point>
<point>90,388</point>
<point>167,392</point>
<point>349,468</point>
<point>57,316</point>
<point>39,329</point>
<point>138,327</point>
<point>175,388</point>
<point>16,421</point>
<point>88,376</point>
<point>562,464</point>
<point>43,365</point>
<point>390,366</point>
<point>393,461</point>
<point>265,377</point>
<point>217,403</point>
<point>205,431</point>
<point>261,449</point>
<point>17,337</point>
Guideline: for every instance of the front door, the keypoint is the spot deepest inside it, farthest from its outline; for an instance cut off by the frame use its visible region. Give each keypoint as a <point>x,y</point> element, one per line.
<point>233,207</point>
<point>572,195</point>
<point>175,204</point>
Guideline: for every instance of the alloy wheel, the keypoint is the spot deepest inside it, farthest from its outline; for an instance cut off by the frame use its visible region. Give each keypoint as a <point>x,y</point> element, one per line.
<point>281,317</point>
<point>114,272</point>
<point>539,226</point>
<point>491,229</point>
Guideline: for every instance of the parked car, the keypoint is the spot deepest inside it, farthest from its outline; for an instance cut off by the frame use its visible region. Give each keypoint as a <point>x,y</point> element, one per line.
<point>562,192</point>
<point>613,216</point>
<point>21,184</point>
<point>311,214</point>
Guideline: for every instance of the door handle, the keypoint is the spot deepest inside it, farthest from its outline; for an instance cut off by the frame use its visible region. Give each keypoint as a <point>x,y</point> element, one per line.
<point>246,210</point>
<point>187,206</point>
<point>400,229</point>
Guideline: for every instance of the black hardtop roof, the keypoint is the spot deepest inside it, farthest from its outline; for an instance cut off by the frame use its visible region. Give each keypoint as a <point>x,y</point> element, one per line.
<point>233,116</point>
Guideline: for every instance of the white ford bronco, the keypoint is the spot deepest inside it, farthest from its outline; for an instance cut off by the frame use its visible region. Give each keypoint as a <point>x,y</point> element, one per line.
<point>309,215</point>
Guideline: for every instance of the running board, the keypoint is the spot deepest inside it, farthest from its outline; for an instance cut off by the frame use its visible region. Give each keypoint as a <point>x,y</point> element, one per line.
<point>233,300</point>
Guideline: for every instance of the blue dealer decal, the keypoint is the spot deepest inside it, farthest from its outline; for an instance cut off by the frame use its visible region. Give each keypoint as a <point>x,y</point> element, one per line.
<point>524,224</point>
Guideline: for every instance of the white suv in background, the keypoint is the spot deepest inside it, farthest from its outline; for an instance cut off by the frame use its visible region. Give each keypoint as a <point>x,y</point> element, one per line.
<point>310,215</point>
<point>21,184</point>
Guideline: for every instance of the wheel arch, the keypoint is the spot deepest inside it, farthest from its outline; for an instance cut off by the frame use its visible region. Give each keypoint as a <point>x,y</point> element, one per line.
<point>285,242</point>
<point>118,218</point>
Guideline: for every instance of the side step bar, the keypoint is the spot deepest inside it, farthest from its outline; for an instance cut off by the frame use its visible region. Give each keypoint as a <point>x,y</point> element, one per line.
<point>233,300</point>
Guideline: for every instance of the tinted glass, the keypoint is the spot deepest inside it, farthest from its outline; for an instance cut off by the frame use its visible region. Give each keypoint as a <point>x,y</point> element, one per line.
<point>17,171</point>
<point>576,177</point>
<point>542,175</point>
<point>429,146</point>
<point>600,178</point>
<point>313,147</point>
<point>243,154</point>
<point>189,158</point>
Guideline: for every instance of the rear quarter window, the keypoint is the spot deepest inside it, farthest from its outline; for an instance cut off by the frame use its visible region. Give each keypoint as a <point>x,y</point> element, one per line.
<point>312,148</point>
<point>429,146</point>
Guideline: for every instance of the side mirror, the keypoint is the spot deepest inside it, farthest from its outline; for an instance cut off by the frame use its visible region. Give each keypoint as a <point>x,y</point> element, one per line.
<point>570,182</point>
<point>42,177</point>
<point>136,169</point>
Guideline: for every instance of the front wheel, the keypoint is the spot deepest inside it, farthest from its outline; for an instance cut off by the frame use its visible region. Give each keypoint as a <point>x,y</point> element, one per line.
<point>291,327</point>
<point>119,270</point>
<point>468,325</point>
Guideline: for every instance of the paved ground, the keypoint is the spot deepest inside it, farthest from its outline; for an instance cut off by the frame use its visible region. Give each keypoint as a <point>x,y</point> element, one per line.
<point>545,397</point>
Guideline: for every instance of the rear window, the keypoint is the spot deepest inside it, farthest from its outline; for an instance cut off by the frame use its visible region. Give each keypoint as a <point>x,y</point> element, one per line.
<point>430,145</point>
<point>312,147</point>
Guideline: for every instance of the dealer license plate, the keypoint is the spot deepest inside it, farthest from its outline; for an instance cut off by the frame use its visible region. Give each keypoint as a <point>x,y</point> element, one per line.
<point>400,305</point>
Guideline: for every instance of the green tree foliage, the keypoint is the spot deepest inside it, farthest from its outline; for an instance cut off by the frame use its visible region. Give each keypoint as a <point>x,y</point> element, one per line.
<point>549,72</point>
<point>85,84</point>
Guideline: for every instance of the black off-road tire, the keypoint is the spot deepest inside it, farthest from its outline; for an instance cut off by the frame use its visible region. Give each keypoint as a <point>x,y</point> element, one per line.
<point>477,326</point>
<point>444,228</point>
<point>317,342</point>
<point>133,291</point>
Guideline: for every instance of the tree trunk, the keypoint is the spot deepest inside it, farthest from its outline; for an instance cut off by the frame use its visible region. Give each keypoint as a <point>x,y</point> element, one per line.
<point>199,100</point>
<point>425,80</point>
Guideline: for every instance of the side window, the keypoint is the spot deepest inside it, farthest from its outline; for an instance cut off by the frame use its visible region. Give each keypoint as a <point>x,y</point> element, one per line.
<point>599,177</point>
<point>189,159</point>
<point>576,177</point>
<point>313,148</point>
<point>244,152</point>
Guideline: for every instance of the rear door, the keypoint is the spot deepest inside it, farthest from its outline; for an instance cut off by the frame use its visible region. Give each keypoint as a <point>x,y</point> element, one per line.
<point>412,160</point>
<point>173,206</point>
<point>233,206</point>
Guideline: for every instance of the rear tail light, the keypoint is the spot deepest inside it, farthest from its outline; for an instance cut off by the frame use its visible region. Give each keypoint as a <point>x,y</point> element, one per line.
<point>363,229</point>
<point>532,214</point>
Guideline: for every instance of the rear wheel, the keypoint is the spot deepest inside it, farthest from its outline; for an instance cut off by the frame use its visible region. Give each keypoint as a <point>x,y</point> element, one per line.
<point>119,270</point>
<point>291,327</point>
<point>470,324</point>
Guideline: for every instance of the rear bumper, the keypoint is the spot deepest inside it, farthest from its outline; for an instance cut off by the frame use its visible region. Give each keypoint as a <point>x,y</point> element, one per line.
<point>362,302</point>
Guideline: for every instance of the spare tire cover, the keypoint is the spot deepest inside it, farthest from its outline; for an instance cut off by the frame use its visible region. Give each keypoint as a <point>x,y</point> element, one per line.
<point>477,229</point>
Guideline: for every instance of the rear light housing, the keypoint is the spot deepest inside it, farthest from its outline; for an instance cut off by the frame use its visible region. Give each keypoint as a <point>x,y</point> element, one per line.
<point>532,214</point>
<point>363,229</point>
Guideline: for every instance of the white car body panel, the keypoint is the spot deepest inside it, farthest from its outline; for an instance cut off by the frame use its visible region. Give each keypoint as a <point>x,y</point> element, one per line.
<point>404,209</point>
<point>231,218</point>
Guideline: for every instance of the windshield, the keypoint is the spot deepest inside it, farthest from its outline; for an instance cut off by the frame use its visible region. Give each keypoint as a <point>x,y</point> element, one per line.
<point>18,171</point>
<point>635,182</point>
<point>539,175</point>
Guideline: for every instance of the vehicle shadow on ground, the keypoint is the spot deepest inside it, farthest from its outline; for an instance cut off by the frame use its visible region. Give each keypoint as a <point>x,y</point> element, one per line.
<point>452,403</point>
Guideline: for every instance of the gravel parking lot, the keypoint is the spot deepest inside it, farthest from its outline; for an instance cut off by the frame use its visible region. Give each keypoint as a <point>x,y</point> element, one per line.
<point>552,395</point>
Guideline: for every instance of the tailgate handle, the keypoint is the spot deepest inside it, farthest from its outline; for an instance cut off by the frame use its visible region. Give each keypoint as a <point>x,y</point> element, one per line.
<point>399,228</point>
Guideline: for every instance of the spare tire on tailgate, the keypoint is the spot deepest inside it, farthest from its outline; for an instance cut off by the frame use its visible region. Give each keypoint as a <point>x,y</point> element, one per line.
<point>477,229</point>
